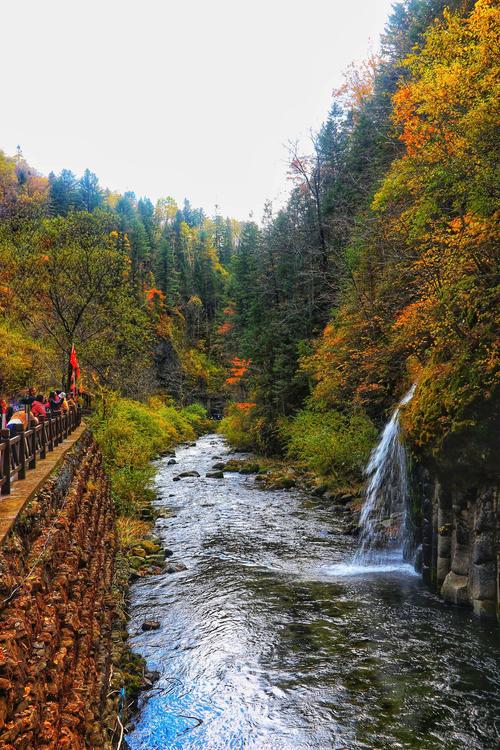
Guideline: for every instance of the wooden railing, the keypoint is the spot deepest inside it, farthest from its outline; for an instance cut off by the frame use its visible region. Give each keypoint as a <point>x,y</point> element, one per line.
<point>19,452</point>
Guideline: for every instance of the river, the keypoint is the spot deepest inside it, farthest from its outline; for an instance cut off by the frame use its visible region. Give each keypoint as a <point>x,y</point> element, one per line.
<point>270,640</point>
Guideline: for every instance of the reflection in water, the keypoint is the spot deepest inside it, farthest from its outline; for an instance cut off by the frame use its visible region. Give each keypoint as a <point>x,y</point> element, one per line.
<point>269,641</point>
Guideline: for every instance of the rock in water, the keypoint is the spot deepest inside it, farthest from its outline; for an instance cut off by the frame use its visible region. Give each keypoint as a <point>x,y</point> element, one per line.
<point>171,462</point>
<point>215,475</point>
<point>150,625</point>
<point>186,474</point>
<point>175,568</point>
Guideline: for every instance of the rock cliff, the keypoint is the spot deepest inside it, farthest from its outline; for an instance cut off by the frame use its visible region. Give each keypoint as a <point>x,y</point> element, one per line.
<point>460,534</point>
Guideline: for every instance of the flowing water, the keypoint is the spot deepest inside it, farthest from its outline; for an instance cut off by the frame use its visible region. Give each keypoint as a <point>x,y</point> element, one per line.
<point>269,641</point>
<point>385,537</point>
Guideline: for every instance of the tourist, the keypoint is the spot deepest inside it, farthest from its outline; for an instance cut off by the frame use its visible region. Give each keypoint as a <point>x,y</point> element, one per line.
<point>54,402</point>
<point>64,403</point>
<point>18,421</point>
<point>14,405</point>
<point>37,408</point>
<point>29,397</point>
<point>3,412</point>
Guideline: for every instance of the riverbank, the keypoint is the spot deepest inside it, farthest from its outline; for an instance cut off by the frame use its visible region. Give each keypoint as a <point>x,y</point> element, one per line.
<point>132,436</point>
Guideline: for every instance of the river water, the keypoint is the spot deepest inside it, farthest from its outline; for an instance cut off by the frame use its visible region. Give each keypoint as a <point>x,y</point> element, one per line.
<point>272,640</point>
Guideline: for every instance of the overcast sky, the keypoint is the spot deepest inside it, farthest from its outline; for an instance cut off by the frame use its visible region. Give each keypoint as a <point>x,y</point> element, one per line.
<point>195,98</point>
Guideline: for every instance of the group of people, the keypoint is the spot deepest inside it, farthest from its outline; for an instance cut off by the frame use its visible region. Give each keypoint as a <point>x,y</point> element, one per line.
<point>27,408</point>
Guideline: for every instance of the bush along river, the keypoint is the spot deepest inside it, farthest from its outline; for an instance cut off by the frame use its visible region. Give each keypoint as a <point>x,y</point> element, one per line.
<point>269,632</point>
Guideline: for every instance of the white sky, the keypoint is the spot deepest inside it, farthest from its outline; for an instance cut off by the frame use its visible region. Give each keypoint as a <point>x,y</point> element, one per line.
<point>194,98</point>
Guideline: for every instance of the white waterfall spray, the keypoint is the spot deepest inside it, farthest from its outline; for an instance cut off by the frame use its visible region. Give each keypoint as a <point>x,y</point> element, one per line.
<point>384,520</point>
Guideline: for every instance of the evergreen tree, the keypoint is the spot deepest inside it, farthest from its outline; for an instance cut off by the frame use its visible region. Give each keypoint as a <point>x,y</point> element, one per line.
<point>90,194</point>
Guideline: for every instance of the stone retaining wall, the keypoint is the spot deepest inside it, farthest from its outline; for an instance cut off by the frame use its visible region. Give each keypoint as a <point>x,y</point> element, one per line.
<point>56,610</point>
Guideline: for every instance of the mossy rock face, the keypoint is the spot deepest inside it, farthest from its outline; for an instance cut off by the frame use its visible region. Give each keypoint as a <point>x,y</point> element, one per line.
<point>282,483</point>
<point>149,546</point>
<point>250,468</point>
<point>157,559</point>
<point>320,490</point>
<point>138,551</point>
<point>232,465</point>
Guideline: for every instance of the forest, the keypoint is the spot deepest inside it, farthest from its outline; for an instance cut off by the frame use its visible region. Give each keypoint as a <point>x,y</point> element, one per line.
<point>380,270</point>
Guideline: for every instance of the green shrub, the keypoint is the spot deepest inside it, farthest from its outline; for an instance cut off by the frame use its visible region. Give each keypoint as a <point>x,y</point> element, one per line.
<point>240,427</point>
<point>330,443</point>
<point>130,434</point>
<point>131,489</point>
<point>197,417</point>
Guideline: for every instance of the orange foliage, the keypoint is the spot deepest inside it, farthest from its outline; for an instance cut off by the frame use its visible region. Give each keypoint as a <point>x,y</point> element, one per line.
<point>358,83</point>
<point>225,328</point>
<point>154,295</point>
<point>245,405</point>
<point>239,367</point>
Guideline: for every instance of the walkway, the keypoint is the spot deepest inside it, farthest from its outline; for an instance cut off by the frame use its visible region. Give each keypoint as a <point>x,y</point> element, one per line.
<point>22,492</point>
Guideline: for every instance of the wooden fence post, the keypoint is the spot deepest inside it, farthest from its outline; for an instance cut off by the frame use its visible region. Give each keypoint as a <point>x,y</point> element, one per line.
<point>32,441</point>
<point>50,437</point>
<point>21,474</point>
<point>43,437</point>
<point>5,437</point>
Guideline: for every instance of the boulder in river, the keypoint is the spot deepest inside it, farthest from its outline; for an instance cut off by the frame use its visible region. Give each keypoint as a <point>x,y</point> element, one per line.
<point>215,475</point>
<point>150,677</point>
<point>282,483</point>
<point>171,462</point>
<point>219,467</point>
<point>175,568</point>
<point>150,625</point>
<point>186,474</point>
<point>320,490</point>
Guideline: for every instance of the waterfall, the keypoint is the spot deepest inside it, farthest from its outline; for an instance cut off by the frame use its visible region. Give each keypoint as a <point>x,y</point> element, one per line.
<point>385,518</point>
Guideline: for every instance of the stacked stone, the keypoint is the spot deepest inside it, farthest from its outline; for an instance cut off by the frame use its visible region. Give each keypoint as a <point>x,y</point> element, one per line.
<point>55,628</point>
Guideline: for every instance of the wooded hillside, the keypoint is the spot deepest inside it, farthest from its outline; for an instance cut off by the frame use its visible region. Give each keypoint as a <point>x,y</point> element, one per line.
<point>381,270</point>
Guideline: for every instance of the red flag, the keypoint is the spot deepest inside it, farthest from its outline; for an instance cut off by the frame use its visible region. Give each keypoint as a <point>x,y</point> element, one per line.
<point>73,360</point>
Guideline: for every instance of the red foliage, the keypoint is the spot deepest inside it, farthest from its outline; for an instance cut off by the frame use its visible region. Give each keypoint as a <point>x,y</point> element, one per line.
<point>153,293</point>
<point>239,367</point>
